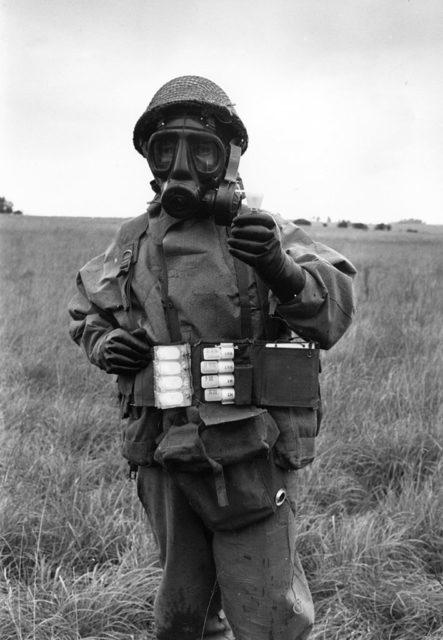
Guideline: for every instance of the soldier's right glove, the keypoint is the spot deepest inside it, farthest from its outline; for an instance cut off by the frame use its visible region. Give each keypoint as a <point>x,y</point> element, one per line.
<point>124,352</point>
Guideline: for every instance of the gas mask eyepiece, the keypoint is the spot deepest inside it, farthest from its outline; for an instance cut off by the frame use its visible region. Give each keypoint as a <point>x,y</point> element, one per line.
<point>186,151</point>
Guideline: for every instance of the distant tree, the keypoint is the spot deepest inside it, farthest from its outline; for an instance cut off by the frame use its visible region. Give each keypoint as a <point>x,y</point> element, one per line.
<point>302,221</point>
<point>343,224</point>
<point>411,221</point>
<point>6,206</point>
<point>381,226</point>
<point>360,225</point>
<point>412,230</point>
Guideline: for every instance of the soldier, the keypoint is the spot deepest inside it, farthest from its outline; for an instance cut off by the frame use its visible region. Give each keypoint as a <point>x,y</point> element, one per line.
<point>212,314</point>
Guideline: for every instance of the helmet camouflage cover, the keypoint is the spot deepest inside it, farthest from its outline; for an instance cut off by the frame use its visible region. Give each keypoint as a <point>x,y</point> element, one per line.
<point>196,93</point>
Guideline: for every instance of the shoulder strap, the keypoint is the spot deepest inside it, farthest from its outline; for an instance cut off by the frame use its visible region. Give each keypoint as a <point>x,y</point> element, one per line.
<point>169,309</point>
<point>273,326</point>
<point>129,237</point>
<point>241,272</point>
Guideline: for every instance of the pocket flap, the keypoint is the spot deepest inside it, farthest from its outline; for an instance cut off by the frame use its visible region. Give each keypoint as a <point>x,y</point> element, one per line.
<point>232,442</point>
<point>285,376</point>
<point>181,445</point>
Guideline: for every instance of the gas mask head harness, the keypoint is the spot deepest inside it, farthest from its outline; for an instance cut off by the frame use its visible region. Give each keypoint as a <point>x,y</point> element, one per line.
<point>195,169</point>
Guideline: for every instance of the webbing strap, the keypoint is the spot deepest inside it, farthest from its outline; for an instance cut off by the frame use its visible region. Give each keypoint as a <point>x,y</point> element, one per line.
<point>219,476</point>
<point>169,309</point>
<point>220,485</point>
<point>274,326</point>
<point>241,272</point>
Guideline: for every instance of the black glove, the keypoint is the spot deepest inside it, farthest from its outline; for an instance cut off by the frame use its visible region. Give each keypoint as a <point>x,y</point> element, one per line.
<point>124,352</point>
<point>254,240</point>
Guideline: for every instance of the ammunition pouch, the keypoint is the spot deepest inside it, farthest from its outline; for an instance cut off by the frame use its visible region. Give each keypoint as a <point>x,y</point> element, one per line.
<point>267,374</point>
<point>252,488</point>
<point>226,470</point>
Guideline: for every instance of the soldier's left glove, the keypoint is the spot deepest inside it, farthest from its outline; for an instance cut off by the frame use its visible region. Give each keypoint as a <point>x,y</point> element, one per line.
<point>123,352</point>
<point>255,240</point>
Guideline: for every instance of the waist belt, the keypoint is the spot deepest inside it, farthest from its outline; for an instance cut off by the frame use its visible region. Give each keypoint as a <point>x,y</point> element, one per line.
<point>241,372</point>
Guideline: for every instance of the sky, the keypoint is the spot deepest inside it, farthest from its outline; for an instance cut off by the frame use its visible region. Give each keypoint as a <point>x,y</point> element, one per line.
<point>342,100</point>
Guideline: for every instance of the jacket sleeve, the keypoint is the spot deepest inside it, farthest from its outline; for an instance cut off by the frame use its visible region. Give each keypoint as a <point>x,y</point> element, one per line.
<point>97,306</point>
<point>324,309</point>
<point>101,302</point>
<point>89,323</point>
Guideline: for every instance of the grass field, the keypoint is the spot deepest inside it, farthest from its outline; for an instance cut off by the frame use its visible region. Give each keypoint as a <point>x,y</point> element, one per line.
<point>76,561</point>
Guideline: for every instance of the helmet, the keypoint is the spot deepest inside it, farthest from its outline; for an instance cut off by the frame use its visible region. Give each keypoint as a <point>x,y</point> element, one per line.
<point>194,93</point>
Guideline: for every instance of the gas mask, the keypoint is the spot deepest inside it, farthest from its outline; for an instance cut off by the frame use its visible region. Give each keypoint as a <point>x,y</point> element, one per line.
<point>194,176</point>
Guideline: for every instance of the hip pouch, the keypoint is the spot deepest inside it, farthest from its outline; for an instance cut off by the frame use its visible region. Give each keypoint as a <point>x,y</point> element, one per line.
<point>226,470</point>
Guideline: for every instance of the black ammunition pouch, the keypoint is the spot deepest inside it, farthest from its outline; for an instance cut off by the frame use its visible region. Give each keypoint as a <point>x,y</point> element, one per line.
<point>252,488</point>
<point>226,470</point>
<point>268,374</point>
<point>265,376</point>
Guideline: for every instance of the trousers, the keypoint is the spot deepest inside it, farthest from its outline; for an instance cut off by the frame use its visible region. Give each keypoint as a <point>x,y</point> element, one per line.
<point>254,573</point>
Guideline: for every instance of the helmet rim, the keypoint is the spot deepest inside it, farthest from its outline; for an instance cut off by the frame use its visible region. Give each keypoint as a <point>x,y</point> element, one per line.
<point>190,93</point>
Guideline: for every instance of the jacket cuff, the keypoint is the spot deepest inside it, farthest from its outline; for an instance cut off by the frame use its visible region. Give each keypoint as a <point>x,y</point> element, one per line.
<point>290,281</point>
<point>304,304</point>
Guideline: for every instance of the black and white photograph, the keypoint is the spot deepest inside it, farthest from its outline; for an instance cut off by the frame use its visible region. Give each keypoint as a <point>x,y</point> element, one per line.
<point>221,311</point>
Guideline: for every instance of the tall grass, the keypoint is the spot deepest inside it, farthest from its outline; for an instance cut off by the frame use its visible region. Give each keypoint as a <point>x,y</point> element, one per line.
<point>76,559</point>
